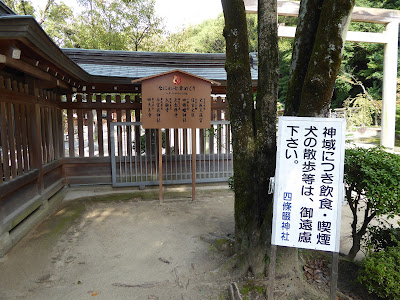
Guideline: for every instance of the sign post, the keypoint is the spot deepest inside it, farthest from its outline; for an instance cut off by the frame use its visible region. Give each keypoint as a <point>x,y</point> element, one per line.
<point>309,188</point>
<point>176,99</point>
<point>193,164</point>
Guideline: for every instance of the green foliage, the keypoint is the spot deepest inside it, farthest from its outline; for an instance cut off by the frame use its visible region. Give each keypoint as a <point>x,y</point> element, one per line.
<point>373,176</point>
<point>285,55</point>
<point>360,111</point>
<point>21,7</point>
<point>398,121</point>
<point>372,183</point>
<point>58,23</point>
<point>381,273</point>
<point>381,237</point>
<point>116,25</point>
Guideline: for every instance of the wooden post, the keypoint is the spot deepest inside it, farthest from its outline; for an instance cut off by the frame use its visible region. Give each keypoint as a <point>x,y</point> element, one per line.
<point>334,275</point>
<point>160,164</point>
<point>193,164</point>
<point>389,87</point>
<point>271,272</point>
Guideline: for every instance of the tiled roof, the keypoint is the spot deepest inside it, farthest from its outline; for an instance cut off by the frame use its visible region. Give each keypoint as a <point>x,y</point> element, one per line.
<point>135,65</point>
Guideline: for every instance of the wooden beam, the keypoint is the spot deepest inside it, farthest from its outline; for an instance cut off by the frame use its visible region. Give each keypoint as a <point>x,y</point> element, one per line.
<point>360,14</point>
<point>352,36</point>
<point>31,70</point>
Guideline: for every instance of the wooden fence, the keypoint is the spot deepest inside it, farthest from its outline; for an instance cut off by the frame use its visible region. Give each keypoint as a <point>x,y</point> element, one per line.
<point>87,135</point>
<point>48,140</point>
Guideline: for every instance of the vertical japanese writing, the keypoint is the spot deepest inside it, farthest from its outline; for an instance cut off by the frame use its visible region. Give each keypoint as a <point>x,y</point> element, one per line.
<point>287,209</point>
<point>310,163</point>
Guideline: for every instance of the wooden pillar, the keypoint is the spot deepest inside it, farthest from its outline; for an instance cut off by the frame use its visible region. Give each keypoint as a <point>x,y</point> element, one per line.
<point>390,86</point>
<point>36,142</point>
<point>193,164</point>
<point>160,165</point>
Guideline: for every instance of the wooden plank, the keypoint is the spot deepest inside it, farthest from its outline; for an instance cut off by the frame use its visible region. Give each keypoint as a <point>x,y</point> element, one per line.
<point>36,142</point>
<point>11,139</point>
<point>29,109</point>
<point>71,136</point>
<point>44,140</point>
<point>90,126</point>
<point>99,113</point>
<point>167,142</point>
<point>119,119</point>
<point>8,84</point>
<point>109,120</point>
<point>18,138</point>
<point>81,140</point>
<point>16,184</point>
<point>128,118</point>
<point>100,105</point>
<point>51,132</point>
<point>202,144</point>
<point>137,129</point>
<point>31,70</point>
<point>193,164</point>
<point>11,97</point>
<point>90,132</point>
<point>176,141</point>
<point>4,141</point>
<point>57,133</point>
<point>185,141</point>
<point>137,108</point>
<point>160,172</point>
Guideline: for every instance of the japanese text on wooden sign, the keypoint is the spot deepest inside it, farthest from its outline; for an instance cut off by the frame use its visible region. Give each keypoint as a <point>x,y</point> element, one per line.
<point>176,100</point>
<point>309,183</point>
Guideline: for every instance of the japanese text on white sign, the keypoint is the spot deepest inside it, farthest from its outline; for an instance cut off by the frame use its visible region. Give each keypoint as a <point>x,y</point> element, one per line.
<point>309,183</point>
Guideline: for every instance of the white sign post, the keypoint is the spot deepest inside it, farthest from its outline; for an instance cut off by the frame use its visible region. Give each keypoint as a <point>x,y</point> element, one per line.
<point>309,188</point>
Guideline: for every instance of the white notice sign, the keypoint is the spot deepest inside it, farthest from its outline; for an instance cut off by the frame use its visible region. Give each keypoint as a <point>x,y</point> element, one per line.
<point>309,183</point>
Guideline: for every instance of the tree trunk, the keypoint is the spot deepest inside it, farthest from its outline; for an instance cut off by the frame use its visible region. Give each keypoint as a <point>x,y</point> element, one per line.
<point>265,117</point>
<point>241,108</point>
<point>309,13</point>
<point>316,57</point>
<point>253,132</point>
<point>326,58</point>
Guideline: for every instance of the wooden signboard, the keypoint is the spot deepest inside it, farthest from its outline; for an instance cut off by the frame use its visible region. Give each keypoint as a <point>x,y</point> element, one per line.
<point>176,99</point>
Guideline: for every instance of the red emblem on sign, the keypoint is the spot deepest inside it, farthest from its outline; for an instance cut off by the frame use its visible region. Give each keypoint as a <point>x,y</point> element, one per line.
<point>177,79</point>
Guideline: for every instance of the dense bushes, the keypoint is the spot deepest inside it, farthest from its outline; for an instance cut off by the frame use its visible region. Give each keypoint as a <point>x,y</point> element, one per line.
<point>380,273</point>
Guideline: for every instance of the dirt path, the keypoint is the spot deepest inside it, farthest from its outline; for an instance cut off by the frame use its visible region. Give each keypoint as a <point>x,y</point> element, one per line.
<point>122,250</point>
<point>122,247</point>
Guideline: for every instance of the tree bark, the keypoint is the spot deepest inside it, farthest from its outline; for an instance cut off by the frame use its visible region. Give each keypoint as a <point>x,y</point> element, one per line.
<point>309,14</point>
<point>253,131</point>
<point>326,58</point>
<point>241,108</point>
<point>317,56</point>
<point>267,96</point>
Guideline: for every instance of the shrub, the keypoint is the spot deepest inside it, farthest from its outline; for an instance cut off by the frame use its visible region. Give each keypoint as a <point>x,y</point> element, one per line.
<point>380,273</point>
<point>379,238</point>
<point>372,182</point>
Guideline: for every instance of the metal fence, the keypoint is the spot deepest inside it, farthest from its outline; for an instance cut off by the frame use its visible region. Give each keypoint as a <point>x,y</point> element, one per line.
<point>134,154</point>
